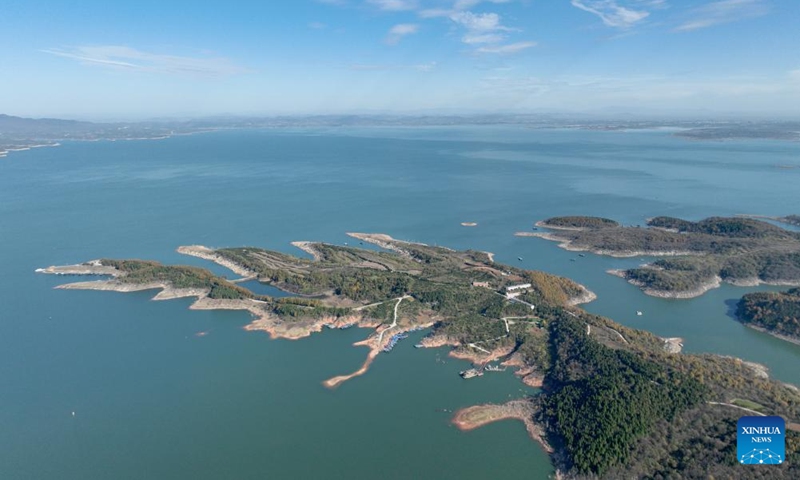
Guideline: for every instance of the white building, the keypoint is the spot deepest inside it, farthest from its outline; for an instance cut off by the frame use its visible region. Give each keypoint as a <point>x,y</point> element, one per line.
<point>518,288</point>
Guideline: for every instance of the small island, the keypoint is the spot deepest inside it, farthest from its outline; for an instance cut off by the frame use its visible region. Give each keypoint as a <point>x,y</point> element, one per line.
<point>700,255</point>
<point>777,313</point>
<point>614,402</point>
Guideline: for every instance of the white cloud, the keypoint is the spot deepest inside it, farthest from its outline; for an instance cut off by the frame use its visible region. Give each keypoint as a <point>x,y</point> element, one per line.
<point>488,31</point>
<point>435,12</point>
<point>317,25</point>
<point>795,75</point>
<point>394,5</point>
<point>478,38</point>
<point>615,15</point>
<point>479,22</point>
<point>506,49</point>
<point>131,59</point>
<point>724,11</point>
<point>399,31</point>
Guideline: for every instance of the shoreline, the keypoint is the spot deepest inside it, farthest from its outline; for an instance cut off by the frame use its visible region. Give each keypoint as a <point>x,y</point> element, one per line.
<point>587,296</point>
<point>786,338</point>
<point>206,253</point>
<point>706,286</point>
<point>308,247</point>
<point>164,136</point>
<point>568,244</point>
<point>262,319</point>
<point>672,344</point>
<point>477,416</point>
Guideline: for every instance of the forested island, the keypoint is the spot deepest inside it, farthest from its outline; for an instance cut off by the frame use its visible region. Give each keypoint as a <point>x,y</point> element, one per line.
<point>738,250</point>
<point>777,313</point>
<point>615,402</point>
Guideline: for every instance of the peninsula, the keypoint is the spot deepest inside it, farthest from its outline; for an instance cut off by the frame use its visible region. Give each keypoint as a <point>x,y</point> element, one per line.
<point>701,255</point>
<point>777,313</point>
<point>615,402</point>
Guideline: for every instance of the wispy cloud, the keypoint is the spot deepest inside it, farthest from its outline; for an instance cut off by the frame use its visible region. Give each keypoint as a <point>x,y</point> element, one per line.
<point>395,5</point>
<point>487,32</point>
<point>317,25</point>
<point>457,6</point>
<point>479,22</point>
<point>619,16</point>
<point>131,59</point>
<point>506,49</point>
<point>724,11</point>
<point>399,31</point>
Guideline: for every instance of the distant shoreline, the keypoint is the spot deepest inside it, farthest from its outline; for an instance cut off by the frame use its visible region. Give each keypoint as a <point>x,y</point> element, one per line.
<point>787,338</point>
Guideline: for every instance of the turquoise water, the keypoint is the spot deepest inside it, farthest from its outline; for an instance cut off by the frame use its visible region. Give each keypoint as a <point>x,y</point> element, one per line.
<point>153,400</point>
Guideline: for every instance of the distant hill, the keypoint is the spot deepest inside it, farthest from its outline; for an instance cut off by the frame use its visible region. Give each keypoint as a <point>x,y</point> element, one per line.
<point>10,125</point>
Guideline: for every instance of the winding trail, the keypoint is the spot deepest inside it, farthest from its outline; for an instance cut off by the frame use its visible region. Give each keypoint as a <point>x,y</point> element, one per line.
<point>737,406</point>
<point>394,321</point>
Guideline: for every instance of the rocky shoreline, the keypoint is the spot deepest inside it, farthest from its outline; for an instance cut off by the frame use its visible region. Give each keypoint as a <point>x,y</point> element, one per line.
<point>477,416</point>
<point>568,244</point>
<point>206,253</point>
<point>716,282</point>
<point>787,338</point>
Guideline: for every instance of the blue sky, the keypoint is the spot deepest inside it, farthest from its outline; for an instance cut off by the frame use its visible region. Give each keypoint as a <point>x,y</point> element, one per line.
<point>127,60</point>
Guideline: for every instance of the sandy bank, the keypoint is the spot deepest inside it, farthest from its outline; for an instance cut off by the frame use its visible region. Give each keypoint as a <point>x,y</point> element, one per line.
<point>523,410</point>
<point>586,297</point>
<point>387,242</point>
<point>480,357</point>
<point>206,253</point>
<point>376,343</point>
<point>111,286</point>
<point>93,267</point>
<point>673,344</point>
<point>308,247</point>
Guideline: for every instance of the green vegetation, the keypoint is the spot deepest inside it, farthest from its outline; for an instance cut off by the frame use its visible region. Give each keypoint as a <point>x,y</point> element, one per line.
<point>777,312</point>
<point>603,399</point>
<point>737,250</point>
<point>742,402</point>
<point>736,227</point>
<point>580,222</point>
<point>614,403</point>
<point>140,271</point>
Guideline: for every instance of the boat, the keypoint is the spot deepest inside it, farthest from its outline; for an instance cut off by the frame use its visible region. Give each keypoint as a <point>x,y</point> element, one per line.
<point>419,345</point>
<point>519,258</point>
<point>639,313</point>
<point>581,254</point>
<point>393,341</point>
<point>494,368</point>
<point>471,373</point>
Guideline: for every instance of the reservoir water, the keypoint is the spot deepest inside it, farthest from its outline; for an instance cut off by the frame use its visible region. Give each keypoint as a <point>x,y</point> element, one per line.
<point>152,399</point>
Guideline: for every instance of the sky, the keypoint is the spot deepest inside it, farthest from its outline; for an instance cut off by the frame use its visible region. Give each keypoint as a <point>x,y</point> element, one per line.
<point>125,60</point>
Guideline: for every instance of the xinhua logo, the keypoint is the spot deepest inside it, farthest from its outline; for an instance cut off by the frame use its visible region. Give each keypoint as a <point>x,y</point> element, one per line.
<point>761,440</point>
